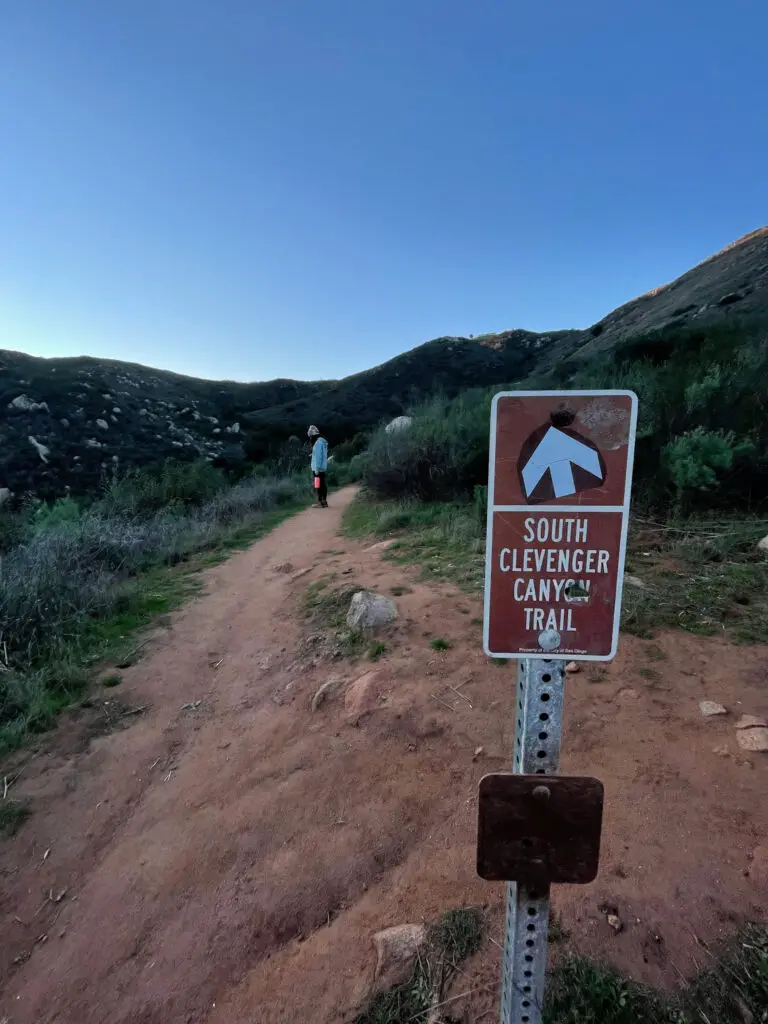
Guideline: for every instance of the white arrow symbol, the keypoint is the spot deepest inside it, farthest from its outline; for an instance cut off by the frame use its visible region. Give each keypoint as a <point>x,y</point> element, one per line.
<point>557,452</point>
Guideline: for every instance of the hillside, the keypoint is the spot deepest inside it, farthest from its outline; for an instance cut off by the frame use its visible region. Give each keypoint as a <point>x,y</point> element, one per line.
<point>66,423</point>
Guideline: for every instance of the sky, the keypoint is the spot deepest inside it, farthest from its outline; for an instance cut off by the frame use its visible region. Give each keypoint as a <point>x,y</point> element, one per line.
<point>245,189</point>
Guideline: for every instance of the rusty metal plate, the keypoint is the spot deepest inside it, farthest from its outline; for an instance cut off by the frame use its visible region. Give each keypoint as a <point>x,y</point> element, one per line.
<point>538,829</point>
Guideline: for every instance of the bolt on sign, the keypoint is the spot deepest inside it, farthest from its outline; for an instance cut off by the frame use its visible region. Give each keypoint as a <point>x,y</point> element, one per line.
<point>558,507</point>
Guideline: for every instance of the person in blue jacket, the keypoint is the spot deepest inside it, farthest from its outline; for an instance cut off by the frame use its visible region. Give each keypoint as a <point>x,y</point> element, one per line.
<point>319,465</point>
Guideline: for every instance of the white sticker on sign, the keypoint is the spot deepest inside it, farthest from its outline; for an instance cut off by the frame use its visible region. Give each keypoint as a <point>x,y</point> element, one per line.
<point>558,453</point>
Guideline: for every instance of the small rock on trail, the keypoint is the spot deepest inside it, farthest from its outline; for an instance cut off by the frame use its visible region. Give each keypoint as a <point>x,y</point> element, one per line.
<point>325,691</point>
<point>361,696</point>
<point>396,949</point>
<point>369,610</point>
<point>754,739</point>
<point>709,708</point>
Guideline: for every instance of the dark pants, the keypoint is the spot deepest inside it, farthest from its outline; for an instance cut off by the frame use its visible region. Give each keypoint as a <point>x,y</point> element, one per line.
<point>322,490</point>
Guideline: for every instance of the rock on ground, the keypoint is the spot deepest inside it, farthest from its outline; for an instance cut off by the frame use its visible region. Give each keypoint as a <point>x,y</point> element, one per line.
<point>42,450</point>
<point>709,708</point>
<point>635,581</point>
<point>362,695</point>
<point>325,691</point>
<point>754,739</point>
<point>396,950</point>
<point>5,494</point>
<point>397,424</point>
<point>750,722</point>
<point>573,667</point>
<point>762,545</point>
<point>368,610</point>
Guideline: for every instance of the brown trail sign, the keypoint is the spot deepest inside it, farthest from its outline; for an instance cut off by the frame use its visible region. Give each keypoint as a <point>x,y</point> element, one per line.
<point>558,507</point>
<point>558,503</point>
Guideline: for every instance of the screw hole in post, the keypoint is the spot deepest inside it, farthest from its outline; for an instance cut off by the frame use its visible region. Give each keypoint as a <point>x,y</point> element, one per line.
<point>541,753</point>
<point>546,678</point>
<point>545,697</point>
<point>543,717</point>
<point>543,735</point>
<point>529,943</point>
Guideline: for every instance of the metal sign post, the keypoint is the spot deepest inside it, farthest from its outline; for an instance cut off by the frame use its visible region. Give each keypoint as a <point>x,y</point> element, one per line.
<point>538,728</point>
<point>558,507</point>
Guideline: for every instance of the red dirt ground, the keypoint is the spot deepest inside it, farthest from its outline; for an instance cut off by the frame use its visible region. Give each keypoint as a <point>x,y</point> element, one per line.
<point>229,863</point>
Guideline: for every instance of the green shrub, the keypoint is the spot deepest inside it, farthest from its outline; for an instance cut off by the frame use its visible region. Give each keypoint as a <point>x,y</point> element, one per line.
<point>141,492</point>
<point>443,454</point>
<point>694,459</point>
<point>57,513</point>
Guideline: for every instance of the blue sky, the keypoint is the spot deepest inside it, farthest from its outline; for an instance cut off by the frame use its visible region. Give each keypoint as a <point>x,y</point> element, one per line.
<point>251,189</point>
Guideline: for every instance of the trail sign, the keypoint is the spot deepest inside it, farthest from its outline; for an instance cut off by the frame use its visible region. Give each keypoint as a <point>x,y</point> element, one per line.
<point>558,502</point>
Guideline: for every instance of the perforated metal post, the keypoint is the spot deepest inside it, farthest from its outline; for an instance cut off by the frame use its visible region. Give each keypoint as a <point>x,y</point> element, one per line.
<point>538,729</point>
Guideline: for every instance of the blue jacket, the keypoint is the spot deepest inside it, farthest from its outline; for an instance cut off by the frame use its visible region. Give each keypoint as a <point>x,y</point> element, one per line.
<point>320,456</point>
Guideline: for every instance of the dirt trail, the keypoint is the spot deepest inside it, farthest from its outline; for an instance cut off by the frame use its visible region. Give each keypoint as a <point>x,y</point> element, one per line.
<point>229,863</point>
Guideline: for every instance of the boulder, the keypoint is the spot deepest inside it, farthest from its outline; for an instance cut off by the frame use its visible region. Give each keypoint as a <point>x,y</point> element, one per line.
<point>396,950</point>
<point>369,610</point>
<point>762,545</point>
<point>398,423</point>
<point>573,667</point>
<point>5,494</point>
<point>102,424</point>
<point>23,403</point>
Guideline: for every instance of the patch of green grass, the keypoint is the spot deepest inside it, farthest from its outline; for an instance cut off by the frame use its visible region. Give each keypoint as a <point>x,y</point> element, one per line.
<point>326,607</point>
<point>500,662</point>
<point>398,590</point>
<point>733,990</point>
<point>650,674</point>
<point>655,652</point>
<point>376,650</point>
<point>445,539</point>
<point>705,576</point>
<point>439,643</point>
<point>580,991</point>
<point>113,680</point>
<point>476,622</point>
<point>13,813</point>
<point>450,940</point>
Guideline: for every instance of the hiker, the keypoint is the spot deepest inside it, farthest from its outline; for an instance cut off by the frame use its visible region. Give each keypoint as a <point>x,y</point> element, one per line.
<point>319,465</point>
